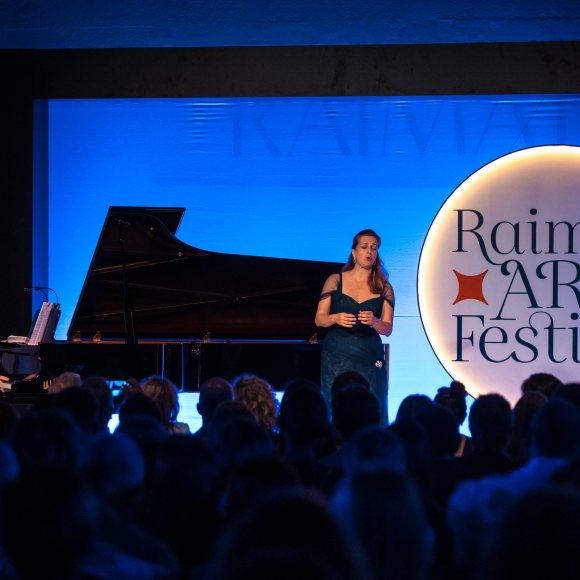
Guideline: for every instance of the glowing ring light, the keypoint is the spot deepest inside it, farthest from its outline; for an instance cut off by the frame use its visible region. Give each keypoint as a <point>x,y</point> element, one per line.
<point>499,273</point>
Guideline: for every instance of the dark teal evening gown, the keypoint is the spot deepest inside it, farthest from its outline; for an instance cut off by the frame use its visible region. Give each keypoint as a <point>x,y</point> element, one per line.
<point>358,348</point>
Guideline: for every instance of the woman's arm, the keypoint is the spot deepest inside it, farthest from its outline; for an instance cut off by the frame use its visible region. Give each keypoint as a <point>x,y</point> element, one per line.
<point>382,325</point>
<point>323,317</point>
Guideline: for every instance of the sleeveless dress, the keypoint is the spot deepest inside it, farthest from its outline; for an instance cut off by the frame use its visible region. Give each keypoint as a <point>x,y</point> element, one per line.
<point>358,348</point>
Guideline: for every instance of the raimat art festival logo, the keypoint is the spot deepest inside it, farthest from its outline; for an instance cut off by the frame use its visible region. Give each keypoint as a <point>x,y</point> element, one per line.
<point>499,273</point>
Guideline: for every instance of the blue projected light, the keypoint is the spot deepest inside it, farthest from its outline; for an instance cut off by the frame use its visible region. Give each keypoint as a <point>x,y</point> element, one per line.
<point>285,177</point>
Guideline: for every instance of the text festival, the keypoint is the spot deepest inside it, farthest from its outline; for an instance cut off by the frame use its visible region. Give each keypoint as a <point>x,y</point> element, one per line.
<point>535,333</point>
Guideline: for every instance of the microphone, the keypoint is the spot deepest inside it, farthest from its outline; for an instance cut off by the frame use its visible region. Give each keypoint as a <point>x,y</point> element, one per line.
<point>43,290</point>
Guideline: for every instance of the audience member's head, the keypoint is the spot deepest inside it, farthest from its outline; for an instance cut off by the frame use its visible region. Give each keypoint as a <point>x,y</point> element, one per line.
<point>300,383</point>
<point>232,410</point>
<point>212,393</point>
<point>411,405</point>
<point>48,523</point>
<point>544,383</point>
<point>383,511</point>
<point>46,439</point>
<point>442,429</point>
<point>556,430</point>
<point>415,442</point>
<point>237,440</point>
<point>164,393</point>
<point>114,467</point>
<point>354,408</point>
<point>303,416</point>
<point>140,405</point>
<point>518,447</point>
<point>148,433</point>
<point>254,480</point>
<point>185,465</point>
<point>183,491</point>
<point>490,420</point>
<point>99,387</point>
<point>346,379</point>
<point>64,381</point>
<point>258,396</point>
<point>453,398</point>
<point>289,535</point>
<point>377,448</point>
<point>536,538</point>
<point>570,392</point>
<point>82,405</point>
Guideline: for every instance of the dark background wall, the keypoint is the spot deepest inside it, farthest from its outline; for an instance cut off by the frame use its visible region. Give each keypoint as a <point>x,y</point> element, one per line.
<point>66,49</point>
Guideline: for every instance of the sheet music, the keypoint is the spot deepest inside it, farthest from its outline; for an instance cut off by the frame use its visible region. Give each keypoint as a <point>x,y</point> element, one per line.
<point>41,323</point>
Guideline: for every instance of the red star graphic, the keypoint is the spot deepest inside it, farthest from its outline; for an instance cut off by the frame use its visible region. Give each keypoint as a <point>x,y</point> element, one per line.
<point>470,287</point>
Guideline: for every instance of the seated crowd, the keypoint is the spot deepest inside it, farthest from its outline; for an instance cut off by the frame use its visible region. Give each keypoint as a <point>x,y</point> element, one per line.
<point>290,490</point>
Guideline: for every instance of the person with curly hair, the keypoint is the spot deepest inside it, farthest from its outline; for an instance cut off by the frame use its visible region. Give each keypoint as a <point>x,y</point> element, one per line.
<point>258,396</point>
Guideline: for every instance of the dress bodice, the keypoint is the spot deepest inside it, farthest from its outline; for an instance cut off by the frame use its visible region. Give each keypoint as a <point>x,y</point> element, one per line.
<point>341,302</point>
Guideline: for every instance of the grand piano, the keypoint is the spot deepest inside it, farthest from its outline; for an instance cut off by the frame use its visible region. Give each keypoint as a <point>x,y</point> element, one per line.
<point>152,304</point>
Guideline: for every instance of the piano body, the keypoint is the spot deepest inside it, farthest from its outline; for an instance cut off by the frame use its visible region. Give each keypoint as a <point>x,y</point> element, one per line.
<point>152,304</point>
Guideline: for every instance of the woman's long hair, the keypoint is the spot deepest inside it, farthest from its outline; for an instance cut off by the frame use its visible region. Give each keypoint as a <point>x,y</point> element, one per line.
<point>164,393</point>
<point>378,277</point>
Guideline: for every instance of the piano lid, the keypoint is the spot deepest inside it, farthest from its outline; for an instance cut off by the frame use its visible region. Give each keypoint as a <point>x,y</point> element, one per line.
<point>178,291</point>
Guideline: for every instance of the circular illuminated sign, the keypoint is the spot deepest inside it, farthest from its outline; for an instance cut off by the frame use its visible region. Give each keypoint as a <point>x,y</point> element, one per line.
<point>499,273</point>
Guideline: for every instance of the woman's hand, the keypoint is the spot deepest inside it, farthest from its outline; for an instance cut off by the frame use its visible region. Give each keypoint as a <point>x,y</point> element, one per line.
<point>367,317</point>
<point>344,319</point>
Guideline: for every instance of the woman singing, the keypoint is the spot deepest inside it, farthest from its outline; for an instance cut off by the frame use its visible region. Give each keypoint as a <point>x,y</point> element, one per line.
<point>357,306</point>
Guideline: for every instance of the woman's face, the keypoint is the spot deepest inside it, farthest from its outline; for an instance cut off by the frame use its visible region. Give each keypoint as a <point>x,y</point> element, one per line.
<point>366,251</point>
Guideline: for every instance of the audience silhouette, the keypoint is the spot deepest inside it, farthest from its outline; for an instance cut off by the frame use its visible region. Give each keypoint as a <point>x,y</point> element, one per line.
<point>300,493</point>
<point>518,447</point>
<point>212,393</point>
<point>304,427</point>
<point>382,511</point>
<point>490,422</point>
<point>100,389</point>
